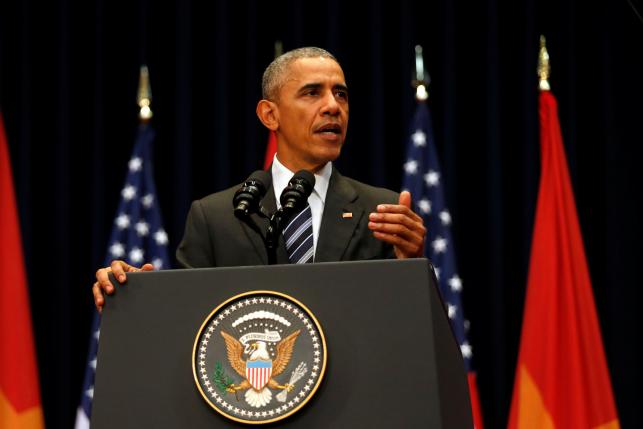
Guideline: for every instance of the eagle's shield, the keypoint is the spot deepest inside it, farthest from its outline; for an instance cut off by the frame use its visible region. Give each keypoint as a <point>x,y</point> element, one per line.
<point>258,373</point>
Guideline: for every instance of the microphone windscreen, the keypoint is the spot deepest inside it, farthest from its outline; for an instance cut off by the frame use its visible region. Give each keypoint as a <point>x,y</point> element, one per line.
<point>299,188</point>
<point>247,198</point>
<point>262,177</point>
<point>307,177</point>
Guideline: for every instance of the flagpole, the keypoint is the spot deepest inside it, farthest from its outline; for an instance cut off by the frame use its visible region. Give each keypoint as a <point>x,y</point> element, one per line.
<point>144,96</point>
<point>544,68</point>
<point>279,48</point>
<point>421,79</point>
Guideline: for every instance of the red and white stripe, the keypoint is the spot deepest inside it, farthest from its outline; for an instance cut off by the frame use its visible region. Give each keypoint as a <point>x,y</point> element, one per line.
<point>258,377</point>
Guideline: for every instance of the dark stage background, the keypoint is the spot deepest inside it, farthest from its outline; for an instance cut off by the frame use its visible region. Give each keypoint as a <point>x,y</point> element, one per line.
<point>68,80</point>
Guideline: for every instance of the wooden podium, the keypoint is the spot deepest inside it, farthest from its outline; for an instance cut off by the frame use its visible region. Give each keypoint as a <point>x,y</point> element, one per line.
<point>392,358</point>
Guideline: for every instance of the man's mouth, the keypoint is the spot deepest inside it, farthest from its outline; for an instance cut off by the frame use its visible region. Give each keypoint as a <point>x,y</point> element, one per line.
<point>329,129</point>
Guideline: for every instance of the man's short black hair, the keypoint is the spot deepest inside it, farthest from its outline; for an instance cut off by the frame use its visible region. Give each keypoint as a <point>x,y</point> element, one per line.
<point>273,76</point>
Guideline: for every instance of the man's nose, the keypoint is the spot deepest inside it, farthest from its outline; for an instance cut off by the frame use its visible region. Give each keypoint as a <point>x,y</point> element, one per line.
<point>331,106</point>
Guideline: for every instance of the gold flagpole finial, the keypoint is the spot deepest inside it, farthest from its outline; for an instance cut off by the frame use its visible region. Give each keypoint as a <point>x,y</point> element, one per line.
<point>144,97</point>
<point>421,79</point>
<point>279,48</point>
<point>543,66</point>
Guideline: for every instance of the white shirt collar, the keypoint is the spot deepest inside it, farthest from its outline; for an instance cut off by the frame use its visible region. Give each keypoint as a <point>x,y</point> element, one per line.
<point>282,175</point>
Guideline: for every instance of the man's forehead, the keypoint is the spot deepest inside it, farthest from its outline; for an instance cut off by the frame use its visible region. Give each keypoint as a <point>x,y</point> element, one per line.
<point>315,70</point>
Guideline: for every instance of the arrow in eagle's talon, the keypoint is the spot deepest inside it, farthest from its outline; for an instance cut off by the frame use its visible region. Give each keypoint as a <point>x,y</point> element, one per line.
<point>287,386</point>
<point>233,389</point>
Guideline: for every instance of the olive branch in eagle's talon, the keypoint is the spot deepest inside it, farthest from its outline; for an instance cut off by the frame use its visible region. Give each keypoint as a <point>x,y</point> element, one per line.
<point>223,382</point>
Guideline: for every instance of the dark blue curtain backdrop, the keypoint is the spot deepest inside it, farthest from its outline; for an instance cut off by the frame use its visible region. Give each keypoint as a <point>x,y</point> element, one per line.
<point>68,80</point>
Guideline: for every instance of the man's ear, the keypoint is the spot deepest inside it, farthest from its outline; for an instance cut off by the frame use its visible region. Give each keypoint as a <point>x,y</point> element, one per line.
<point>268,114</point>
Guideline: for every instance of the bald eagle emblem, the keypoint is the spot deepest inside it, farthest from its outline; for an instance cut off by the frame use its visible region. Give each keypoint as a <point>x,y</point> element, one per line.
<point>259,357</point>
<point>259,369</point>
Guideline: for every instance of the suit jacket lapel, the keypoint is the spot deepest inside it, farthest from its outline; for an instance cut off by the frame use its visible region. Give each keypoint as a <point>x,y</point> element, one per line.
<point>336,230</point>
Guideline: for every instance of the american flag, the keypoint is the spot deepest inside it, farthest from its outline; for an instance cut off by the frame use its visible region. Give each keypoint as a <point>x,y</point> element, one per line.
<point>423,178</point>
<point>137,237</point>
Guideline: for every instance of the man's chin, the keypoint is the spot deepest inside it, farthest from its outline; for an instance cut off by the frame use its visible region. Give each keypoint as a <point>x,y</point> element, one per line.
<point>321,158</point>
<point>331,153</point>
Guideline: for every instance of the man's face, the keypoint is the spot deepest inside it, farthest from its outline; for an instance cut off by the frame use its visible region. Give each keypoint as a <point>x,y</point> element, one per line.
<point>312,111</point>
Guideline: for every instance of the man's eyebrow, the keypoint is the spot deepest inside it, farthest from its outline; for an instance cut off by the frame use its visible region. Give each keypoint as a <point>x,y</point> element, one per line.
<point>309,86</point>
<point>340,87</point>
<point>317,85</point>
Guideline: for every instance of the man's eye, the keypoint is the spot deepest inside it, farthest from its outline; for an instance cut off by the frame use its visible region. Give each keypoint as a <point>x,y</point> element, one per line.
<point>341,94</point>
<point>312,92</point>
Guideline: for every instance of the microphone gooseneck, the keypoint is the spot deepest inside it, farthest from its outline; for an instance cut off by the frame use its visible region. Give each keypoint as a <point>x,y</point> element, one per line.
<point>247,198</point>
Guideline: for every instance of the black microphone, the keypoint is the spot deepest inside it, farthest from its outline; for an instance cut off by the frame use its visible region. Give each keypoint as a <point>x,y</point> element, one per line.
<point>246,199</point>
<point>296,194</point>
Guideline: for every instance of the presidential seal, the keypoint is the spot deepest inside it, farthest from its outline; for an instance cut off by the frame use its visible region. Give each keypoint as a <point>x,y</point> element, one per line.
<point>259,357</point>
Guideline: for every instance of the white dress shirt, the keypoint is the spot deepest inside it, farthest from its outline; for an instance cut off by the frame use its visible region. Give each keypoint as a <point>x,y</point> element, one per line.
<point>280,178</point>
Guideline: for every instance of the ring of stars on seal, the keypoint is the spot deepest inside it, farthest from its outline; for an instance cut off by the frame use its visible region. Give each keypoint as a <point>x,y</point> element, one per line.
<point>259,357</point>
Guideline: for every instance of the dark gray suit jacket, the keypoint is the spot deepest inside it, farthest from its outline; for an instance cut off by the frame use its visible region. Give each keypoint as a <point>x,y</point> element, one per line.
<point>214,237</point>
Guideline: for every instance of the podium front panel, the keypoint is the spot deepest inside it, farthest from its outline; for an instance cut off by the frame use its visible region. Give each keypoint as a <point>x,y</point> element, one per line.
<point>392,360</point>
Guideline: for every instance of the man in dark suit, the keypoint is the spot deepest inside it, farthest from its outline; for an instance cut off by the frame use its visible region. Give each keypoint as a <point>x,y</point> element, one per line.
<point>305,102</point>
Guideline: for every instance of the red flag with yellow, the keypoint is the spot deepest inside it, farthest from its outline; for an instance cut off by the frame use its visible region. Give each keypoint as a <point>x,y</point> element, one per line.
<point>19,390</point>
<point>561,380</point>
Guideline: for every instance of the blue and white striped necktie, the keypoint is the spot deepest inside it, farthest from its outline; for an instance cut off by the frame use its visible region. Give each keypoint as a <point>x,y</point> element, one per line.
<point>299,237</point>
